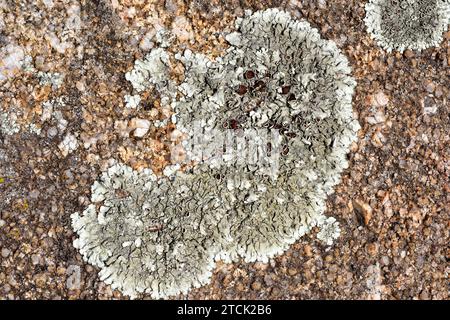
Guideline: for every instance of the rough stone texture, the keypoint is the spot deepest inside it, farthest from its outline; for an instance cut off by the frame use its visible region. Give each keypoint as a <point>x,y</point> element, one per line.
<point>399,167</point>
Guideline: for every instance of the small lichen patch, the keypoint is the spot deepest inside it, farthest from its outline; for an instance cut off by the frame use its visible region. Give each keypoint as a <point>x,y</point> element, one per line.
<point>54,79</point>
<point>407,24</point>
<point>11,60</point>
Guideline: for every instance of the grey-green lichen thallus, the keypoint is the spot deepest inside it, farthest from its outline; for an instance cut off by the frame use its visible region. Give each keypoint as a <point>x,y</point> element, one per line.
<point>407,24</point>
<point>162,235</point>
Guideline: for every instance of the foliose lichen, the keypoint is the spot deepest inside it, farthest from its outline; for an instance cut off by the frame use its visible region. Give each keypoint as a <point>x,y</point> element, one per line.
<point>280,74</point>
<point>407,24</point>
<point>329,230</point>
<point>161,236</point>
<point>152,70</point>
<point>132,102</point>
<point>149,235</point>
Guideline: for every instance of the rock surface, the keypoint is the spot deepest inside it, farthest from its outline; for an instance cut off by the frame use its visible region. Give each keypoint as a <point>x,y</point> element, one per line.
<point>399,168</point>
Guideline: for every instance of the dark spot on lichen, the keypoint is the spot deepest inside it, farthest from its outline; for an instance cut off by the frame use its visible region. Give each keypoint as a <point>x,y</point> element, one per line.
<point>285,89</point>
<point>241,90</point>
<point>249,74</point>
